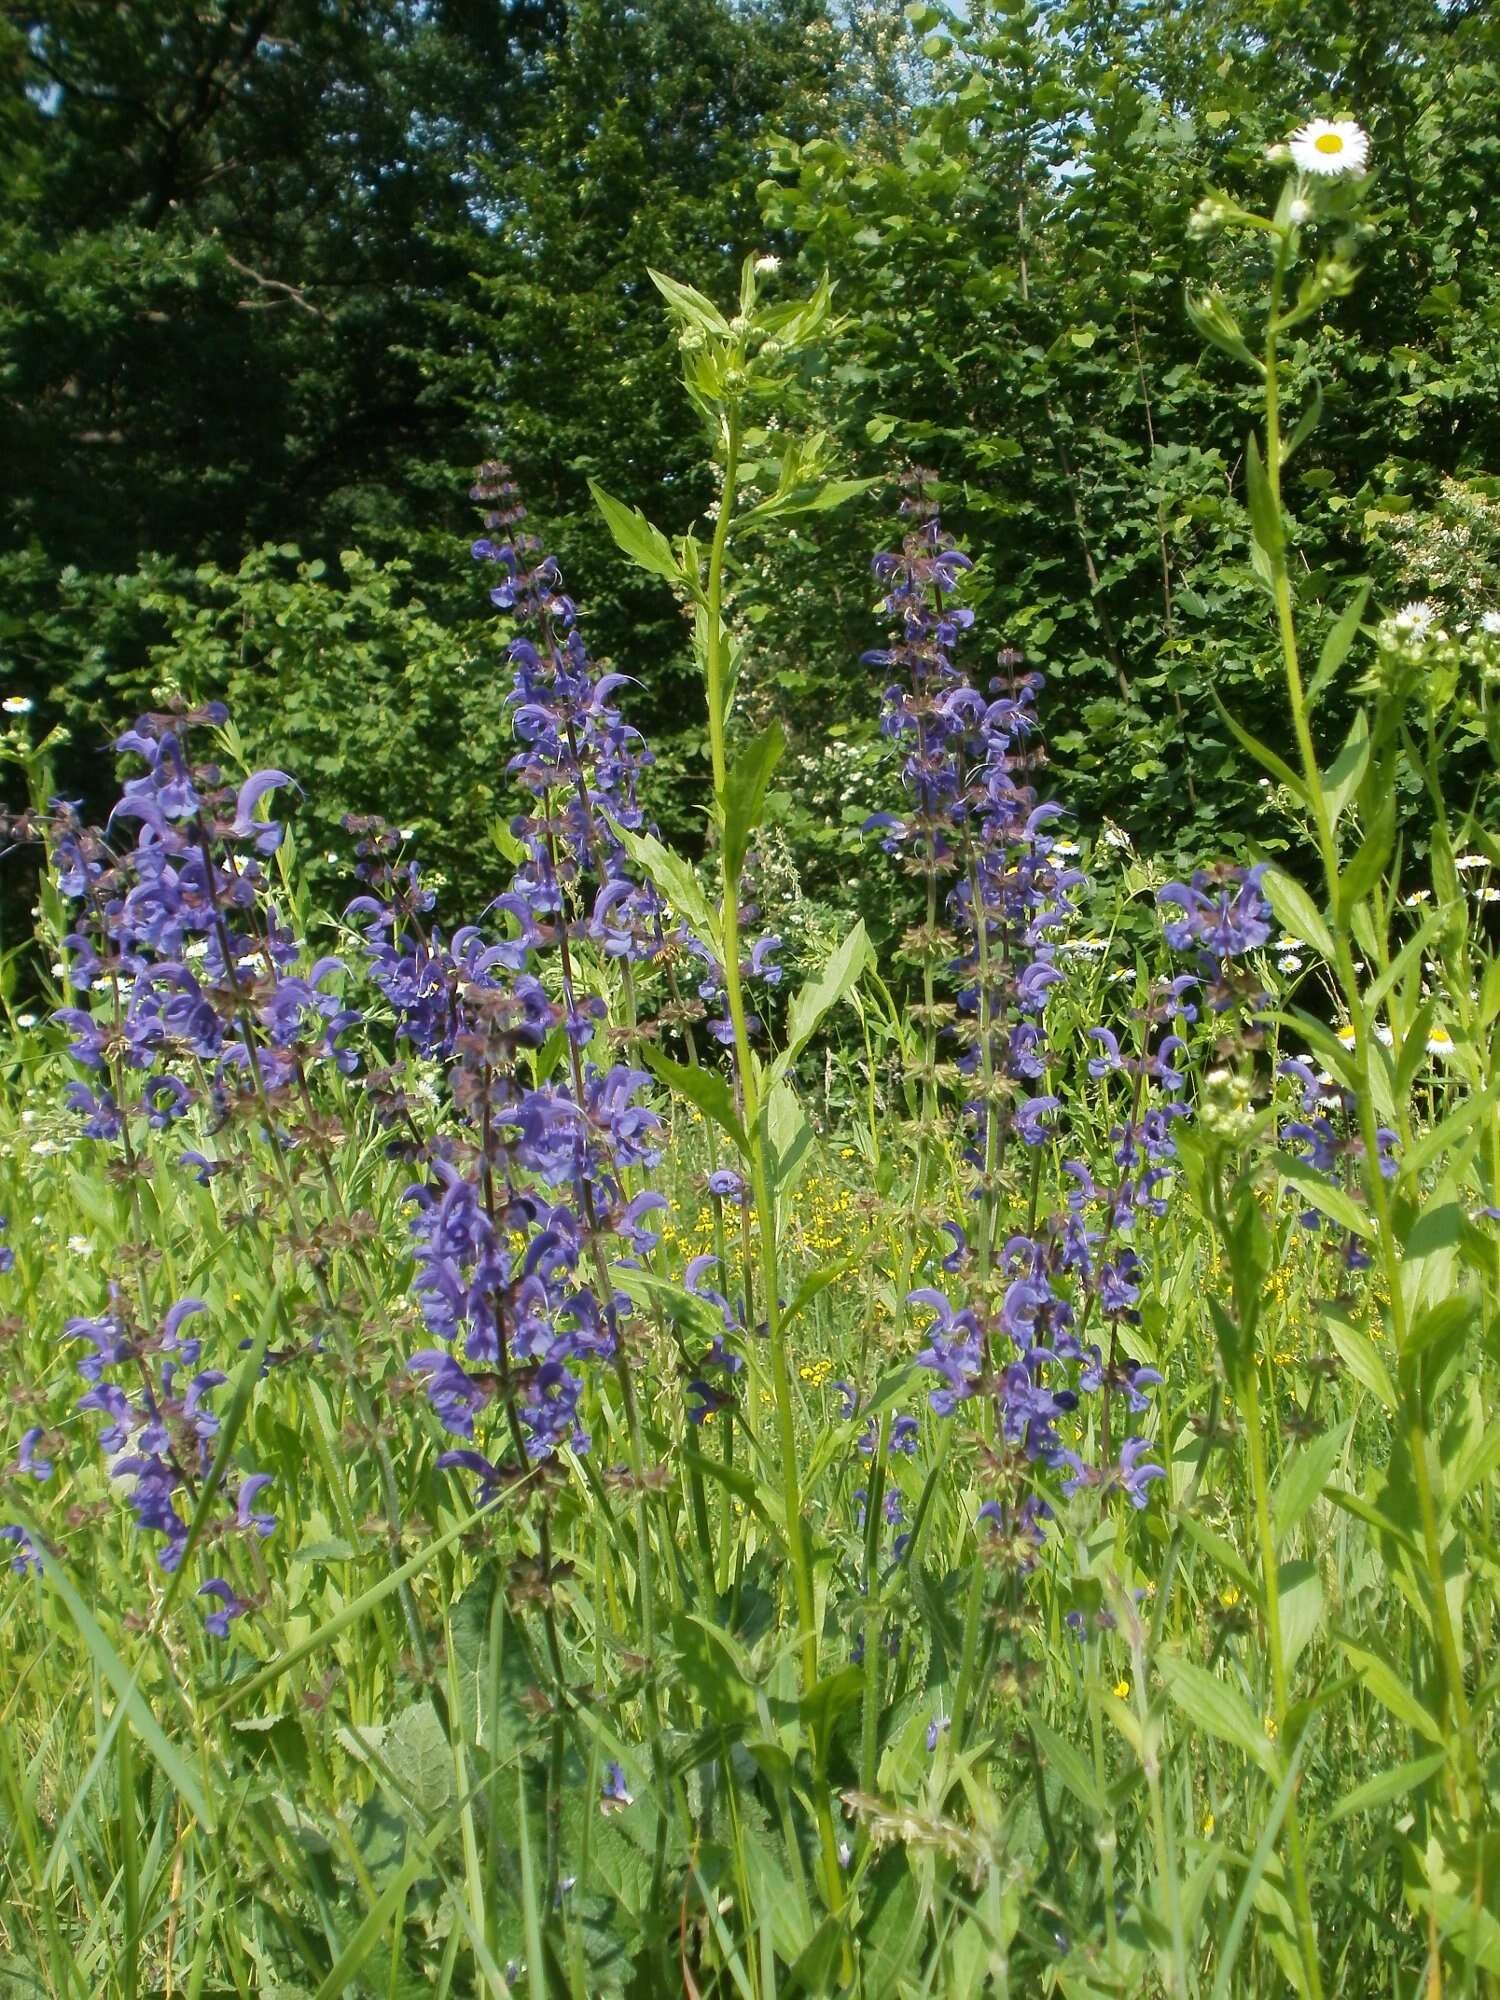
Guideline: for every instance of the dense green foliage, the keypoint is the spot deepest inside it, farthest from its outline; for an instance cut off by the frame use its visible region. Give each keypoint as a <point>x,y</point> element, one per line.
<point>286,291</point>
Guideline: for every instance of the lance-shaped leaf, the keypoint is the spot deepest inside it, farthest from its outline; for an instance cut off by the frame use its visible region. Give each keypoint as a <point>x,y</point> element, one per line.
<point>636,537</point>
<point>745,795</point>
<point>690,307</point>
<point>1213,1705</point>
<point>1265,515</point>
<point>675,877</point>
<point>703,1087</point>
<point>1298,912</point>
<point>1338,642</point>
<point>823,991</point>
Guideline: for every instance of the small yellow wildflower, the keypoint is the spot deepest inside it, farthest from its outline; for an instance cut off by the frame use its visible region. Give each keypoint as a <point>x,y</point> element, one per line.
<point>1208,1826</point>
<point>1272,1728</point>
<point>1122,1690</point>
<point>1229,1598</point>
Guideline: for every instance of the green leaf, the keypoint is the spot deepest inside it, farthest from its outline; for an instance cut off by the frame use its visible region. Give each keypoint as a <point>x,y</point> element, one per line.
<point>833,493</point>
<point>1396,1783</point>
<point>790,1136</point>
<point>701,1086</point>
<point>1428,1265</point>
<point>1306,424</point>
<point>1265,518</point>
<point>740,1483</point>
<point>636,537</point>
<point>1445,1133</point>
<point>715,1670</point>
<point>745,795</point>
<point>1359,1354</point>
<point>693,1317</point>
<point>817,1281</point>
<point>1338,642</point>
<point>1383,1682</point>
<point>1280,770</point>
<point>829,1697</point>
<point>675,877</point>
<point>1212,1704</point>
<point>1374,1517</point>
<point>1220,1550</point>
<point>1058,1755</point>
<point>1303,1478</point>
<point>419,1757</point>
<point>1359,876</point>
<point>1298,912</point>
<point>1300,1591</point>
<point>1321,1194</point>
<point>690,307</point>
<point>1342,778</point>
<point>822,992</point>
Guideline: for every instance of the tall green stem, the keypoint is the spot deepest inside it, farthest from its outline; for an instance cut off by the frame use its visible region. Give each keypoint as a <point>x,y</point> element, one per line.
<point>716,667</point>
<point>1454,1696</point>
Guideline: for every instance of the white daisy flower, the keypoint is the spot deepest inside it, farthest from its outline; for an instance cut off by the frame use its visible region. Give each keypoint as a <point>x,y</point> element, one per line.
<point>1346,1035</point>
<point>766,264</point>
<point>1286,942</point>
<point>1490,622</point>
<point>1289,962</point>
<point>1465,862</point>
<point>80,1246</point>
<point>1330,146</point>
<point>1416,618</point>
<point>1416,897</point>
<point>26,1020</point>
<point>1439,1042</point>
<point>18,704</point>
<point>1300,211</point>
<point>1489,894</point>
<point>1116,836</point>
<point>1066,847</point>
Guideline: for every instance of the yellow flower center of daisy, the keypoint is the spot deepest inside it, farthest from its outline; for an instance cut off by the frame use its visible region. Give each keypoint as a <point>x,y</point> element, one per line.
<point>1329,142</point>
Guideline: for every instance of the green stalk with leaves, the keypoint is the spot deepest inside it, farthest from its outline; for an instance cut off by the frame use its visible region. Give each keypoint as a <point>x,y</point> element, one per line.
<point>729,367</point>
